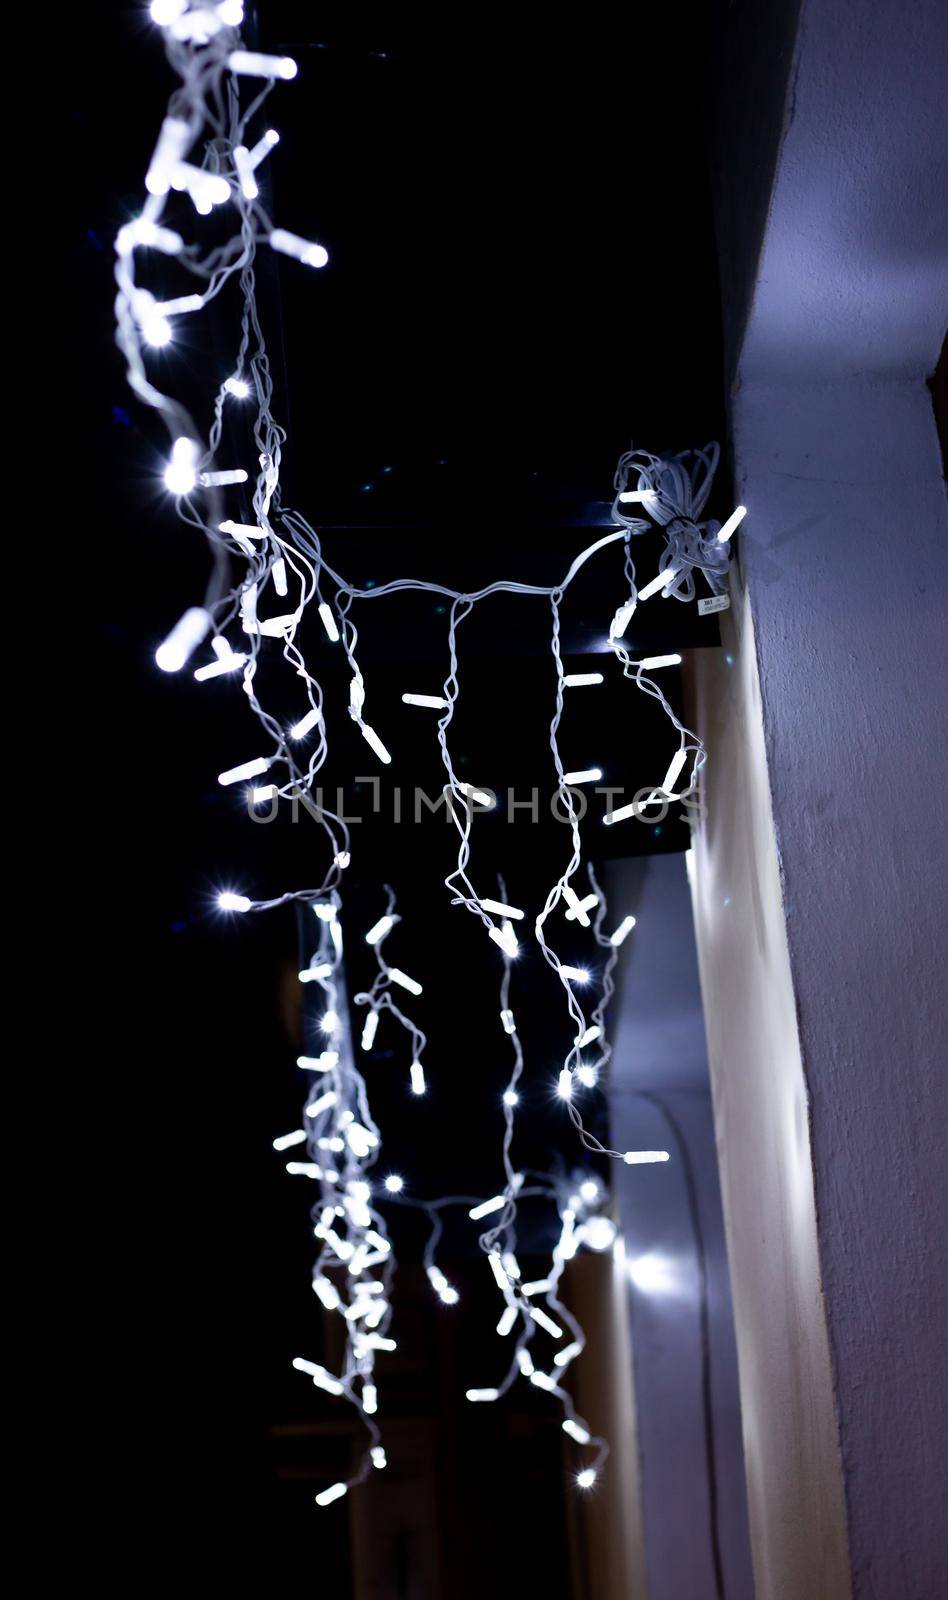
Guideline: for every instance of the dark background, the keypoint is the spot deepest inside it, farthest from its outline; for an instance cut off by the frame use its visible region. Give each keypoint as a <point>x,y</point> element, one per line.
<point>522,280</point>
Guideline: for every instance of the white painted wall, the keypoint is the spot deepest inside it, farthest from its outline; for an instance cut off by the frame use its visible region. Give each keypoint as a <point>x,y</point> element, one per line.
<point>820,873</point>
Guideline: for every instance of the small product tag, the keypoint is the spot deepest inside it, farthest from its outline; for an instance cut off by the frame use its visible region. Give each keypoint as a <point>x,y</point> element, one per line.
<point>712,603</point>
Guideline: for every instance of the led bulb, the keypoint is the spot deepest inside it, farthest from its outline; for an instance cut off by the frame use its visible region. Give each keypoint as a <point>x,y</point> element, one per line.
<point>404,981</point>
<point>575,1431</point>
<point>226,901</point>
<point>651,663</point>
<point>328,622</point>
<point>564,1084</point>
<point>434,702</point>
<point>188,632</point>
<point>575,974</point>
<point>374,743</point>
<point>394,1184</point>
<point>510,1097</point>
<point>334,1492</point>
<point>311,720</point>
<point>733,522</point>
<point>625,927</point>
<point>635,1158</point>
<point>251,63</point>
<point>304,250</point>
<point>622,619</point>
<point>660,582</point>
<point>181,471</point>
<point>238,388</point>
<point>379,929</point>
<point>586,1478</point>
<point>589,1037</point>
<point>286,1141</point>
<point>370,1029</point>
<point>417,1077</point>
<point>501,909</point>
<point>584,775</point>
<point>250,769</point>
<point>476,1395</point>
<point>581,680</point>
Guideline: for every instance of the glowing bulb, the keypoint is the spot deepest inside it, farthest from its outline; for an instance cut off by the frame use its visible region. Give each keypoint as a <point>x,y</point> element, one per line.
<point>511,1097</point>
<point>586,1478</point>
<point>599,1233</point>
<point>622,619</point>
<point>588,1076</point>
<point>323,1103</point>
<point>379,929</point>
<point>578,909</point>
<point>188,632</point>
<point>575,1431</point>
<point>434,702</point>
<point>584,775</point>
<point>323,1063</point>
<point>226,901</point>
<point>334,1492</point>
<point>329,623</point>
<point>575,974</point>
<point>374,743</point>
<point>251,63</point>
<point>314,974</point>
<point>501,909</point>
<point>181,471</point>
<point>319,1375</point>
<point>394,1184</point>
<point>481,797</point>
<point>290,244</point>
<point>379,1458</point>
<point>370,1030</point>
<point>487,1208</point>
<point>589,1190</point>
<point>370,1399</point>
<point>329,1022</point>
<point>650,663</point>
<point>231,662</point>
<point>417,1077</point>
<point>326,1292</point>
<point>476,1395</point>
<point>734,521</point>
<point>564,1357</point>
<point>505,937</point>
<point>635,1158</point>
<point>220,480</point>
<point>542,1380</point>
<point>546,1323</point>
<point>286,1141</point>
<point>660,582</point>
<point>306,724</point>
<point>165,11</point>
<point>589,1037</point>
<point>638,496</point>
<point>250,769</point>
<point>564,1084</point>
<point>507,1321</point>
<point>677,762</point>
<point>507,1021</point>
<point>580,680</point>
<point>238,388</point>
<point>404,981</point>
<point>625,927</point>
<point>525,1363</point>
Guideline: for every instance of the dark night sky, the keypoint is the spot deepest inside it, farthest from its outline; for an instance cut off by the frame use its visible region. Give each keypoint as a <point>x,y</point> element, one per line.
<point>522,279</point>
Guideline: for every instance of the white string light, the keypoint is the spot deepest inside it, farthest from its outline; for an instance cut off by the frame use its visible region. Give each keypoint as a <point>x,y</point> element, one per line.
<point>210,148</point>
